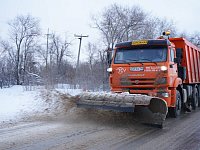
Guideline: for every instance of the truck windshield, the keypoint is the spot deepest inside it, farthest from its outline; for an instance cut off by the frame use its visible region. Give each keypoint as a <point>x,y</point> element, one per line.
<point>140,55</point>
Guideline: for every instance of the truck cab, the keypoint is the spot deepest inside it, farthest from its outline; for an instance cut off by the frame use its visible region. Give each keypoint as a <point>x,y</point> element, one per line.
<point>145,67</point>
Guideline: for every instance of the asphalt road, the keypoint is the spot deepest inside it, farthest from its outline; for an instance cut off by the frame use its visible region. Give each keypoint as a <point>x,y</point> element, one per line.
<point>90,130</point>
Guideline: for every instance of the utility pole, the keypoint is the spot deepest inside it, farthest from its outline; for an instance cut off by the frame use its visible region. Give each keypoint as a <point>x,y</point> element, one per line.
<point>47,50</point>
<point>46,59</point>
<point>79,50</point>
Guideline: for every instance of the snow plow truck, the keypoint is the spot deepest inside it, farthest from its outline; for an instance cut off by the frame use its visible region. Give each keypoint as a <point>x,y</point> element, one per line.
<point>161,74</point>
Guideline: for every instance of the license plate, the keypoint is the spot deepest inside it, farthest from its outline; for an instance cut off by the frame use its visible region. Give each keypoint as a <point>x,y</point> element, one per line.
<point>136,68</point>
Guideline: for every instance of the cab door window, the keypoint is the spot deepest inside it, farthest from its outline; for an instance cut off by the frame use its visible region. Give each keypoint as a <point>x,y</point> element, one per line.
<point>171,55</point>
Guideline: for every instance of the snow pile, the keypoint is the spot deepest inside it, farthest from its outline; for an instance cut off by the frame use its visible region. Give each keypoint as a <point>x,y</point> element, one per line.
<point>16,103</point>
<point>59,100</point>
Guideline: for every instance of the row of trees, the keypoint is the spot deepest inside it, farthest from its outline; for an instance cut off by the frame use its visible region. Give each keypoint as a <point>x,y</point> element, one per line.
<point>31,57</point>
<point>26,60</point>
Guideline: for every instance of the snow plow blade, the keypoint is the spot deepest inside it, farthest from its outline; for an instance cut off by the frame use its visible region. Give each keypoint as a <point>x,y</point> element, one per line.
<point>125,102</point>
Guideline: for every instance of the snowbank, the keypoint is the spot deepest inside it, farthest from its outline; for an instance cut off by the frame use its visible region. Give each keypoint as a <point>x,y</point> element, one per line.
<point>16,103</point>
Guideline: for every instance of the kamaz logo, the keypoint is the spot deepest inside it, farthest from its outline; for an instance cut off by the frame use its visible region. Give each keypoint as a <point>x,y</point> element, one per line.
<point>137,81</point>
<point>121,70</point>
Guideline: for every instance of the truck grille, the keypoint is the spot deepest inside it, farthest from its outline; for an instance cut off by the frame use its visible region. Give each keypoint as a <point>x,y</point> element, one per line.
<point>136,81</point>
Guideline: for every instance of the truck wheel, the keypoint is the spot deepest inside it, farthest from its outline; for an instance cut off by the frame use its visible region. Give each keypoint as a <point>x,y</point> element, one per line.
<point>195,101</point>
<point>174,112</point>
<point>198,90</point>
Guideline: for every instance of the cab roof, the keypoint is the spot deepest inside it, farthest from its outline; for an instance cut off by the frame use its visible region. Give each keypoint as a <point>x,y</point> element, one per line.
<point>142,43</point>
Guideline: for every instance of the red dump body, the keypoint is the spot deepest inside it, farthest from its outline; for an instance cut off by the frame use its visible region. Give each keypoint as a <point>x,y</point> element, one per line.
<point>190,59</point>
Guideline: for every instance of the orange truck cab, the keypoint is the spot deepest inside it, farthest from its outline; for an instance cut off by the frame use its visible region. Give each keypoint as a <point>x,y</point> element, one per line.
<point>168,68</point>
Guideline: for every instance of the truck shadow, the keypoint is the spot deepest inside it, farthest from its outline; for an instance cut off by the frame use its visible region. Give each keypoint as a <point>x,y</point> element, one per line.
<point>140,118</point>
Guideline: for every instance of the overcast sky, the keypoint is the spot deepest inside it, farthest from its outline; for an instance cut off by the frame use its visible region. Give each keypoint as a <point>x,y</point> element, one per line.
<point>69,17</point>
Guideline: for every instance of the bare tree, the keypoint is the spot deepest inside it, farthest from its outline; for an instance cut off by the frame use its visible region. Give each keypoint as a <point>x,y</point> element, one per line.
<point>118,23</point>
<point>61,50</point>
<point>154,27</point>
<point>149,30</point>
<point>55,59</point>
<point>103,65</point>
<point>133,19</point>
<point>90,71</point>
<point>91,54</point>
<point>164,25</point>
<point>23,29</point>
<point>7,63</point>
<point>195,39</point>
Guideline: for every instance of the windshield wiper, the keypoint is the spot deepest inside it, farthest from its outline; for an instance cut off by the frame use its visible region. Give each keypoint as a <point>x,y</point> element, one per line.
<point>149,60</point>
<point>129,61</point>
<point>122,61</point>
<point>134,61</point>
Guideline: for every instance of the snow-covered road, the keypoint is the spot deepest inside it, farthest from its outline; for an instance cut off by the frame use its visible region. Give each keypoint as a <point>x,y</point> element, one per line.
<point>83,130</point>
<point>47,119</point>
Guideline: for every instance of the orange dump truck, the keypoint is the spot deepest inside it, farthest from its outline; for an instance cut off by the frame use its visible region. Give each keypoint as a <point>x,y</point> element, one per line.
<point>165,68</point>
<point>162,74</point>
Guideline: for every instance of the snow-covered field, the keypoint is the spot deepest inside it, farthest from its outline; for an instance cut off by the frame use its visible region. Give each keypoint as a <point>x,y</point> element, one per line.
<point>17,103</point>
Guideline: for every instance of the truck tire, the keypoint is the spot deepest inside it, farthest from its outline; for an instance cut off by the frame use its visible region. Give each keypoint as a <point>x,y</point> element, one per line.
<point>198,90</point>
<point>174,112</point>
<point>195,100</point>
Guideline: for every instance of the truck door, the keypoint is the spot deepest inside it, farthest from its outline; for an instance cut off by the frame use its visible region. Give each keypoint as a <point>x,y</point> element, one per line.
<point>172,67</point>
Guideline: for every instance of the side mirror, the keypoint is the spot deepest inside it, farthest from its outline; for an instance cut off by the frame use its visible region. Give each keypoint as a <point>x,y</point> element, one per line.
<point>176,60</point>
<point>109,57</point>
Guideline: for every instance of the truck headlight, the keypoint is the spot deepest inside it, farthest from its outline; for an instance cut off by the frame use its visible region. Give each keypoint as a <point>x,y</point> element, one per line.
<point>109,70</point>
<point>163,68</point>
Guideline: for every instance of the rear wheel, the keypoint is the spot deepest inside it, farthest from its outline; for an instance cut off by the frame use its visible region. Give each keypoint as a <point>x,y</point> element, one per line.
<point>195,100</point>
<point>198,97</point>
<point>176,111</point>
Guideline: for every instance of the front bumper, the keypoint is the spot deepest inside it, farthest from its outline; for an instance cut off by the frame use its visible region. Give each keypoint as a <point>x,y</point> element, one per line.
<point>161,93</point>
